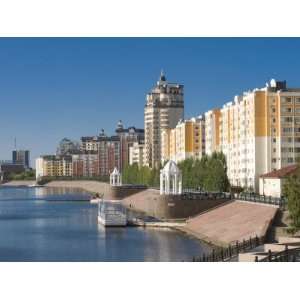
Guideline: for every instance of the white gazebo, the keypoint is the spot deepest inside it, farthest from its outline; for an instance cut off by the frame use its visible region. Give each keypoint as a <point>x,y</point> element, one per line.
<point>170,179</point>
<point>115,178</point>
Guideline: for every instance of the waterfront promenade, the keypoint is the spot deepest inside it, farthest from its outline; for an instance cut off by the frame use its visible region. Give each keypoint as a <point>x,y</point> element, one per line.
<point>221,225</point>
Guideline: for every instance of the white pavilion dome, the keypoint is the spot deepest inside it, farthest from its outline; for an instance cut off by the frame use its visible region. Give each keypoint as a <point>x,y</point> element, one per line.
<point>171,168</point>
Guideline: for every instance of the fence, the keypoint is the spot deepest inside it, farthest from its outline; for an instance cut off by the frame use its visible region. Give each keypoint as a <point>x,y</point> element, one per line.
<point>281,202</point>
<point>197,195</point>
<point>287,255</point>
<point>225,254</point>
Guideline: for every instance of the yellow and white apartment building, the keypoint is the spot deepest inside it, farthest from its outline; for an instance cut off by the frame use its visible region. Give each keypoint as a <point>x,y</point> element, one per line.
<point>186,140</point>
<point>54,166</point>
<point>260,132</point>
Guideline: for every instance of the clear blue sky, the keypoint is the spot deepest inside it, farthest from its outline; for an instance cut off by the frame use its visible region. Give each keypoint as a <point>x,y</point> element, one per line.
<point>69,87</point>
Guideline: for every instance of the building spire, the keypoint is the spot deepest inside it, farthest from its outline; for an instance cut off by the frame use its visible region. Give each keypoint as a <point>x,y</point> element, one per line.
<point>162,75</point>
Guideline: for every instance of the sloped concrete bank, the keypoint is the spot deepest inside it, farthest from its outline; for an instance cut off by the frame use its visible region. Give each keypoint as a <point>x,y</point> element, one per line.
<point>235,221</point>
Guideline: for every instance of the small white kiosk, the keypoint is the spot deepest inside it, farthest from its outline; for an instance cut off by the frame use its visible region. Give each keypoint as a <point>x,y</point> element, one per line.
<point>115,178</point>
<point>170,179</point>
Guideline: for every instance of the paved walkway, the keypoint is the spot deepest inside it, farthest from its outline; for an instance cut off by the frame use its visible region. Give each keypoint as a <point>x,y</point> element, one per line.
<point>237,220</point>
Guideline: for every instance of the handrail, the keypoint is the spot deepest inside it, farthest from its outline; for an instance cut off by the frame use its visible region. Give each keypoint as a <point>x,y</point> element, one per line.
<point>251,197</point>
<point>227,253</point>
<point>287,255</point>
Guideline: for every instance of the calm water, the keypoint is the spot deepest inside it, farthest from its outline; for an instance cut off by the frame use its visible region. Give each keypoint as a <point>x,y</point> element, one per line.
<point>48,224</point>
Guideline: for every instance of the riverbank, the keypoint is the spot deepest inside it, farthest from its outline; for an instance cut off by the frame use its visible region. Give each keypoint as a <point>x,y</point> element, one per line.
<point>16,183</point>
<point>89,186</point>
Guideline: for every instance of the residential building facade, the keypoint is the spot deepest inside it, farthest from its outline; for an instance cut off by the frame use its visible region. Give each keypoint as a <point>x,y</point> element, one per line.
<point>136,154</point>
<point>54,166</point>
<point>85,165</point>
<point>186,140</point>
<point>212,131</point>
<point>164,108</point>
<point>260,132</point>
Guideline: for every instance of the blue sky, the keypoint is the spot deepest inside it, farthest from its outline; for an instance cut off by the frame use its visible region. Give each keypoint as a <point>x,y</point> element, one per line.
<point>52,88</point>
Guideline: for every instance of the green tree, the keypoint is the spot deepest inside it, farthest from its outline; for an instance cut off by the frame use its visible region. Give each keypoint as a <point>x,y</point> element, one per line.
<point>291,191</point>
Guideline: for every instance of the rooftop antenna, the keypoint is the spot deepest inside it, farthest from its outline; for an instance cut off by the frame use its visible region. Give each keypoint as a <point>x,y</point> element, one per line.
<point>15,142</point>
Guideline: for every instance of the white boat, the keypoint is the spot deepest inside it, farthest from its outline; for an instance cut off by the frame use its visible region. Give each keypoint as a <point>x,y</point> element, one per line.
<point>111,215</point>
<point>95,200</point>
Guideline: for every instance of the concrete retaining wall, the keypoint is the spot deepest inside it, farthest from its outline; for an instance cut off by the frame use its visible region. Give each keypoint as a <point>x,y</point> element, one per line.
<point>169,206</point>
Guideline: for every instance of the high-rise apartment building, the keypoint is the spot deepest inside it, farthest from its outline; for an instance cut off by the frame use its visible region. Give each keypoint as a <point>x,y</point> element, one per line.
<point>21,157</point>
<point>164,108</point>
<point>260,132</point>
<point>186,140</point>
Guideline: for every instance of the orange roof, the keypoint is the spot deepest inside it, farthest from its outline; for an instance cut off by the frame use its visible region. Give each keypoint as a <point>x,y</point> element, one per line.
<point>281,173</point>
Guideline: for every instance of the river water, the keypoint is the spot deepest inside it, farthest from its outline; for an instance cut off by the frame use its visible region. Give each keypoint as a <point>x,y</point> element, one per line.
<point>51,224</point>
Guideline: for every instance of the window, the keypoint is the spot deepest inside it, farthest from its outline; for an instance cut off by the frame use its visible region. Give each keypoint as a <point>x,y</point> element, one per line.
<point>287,110</point>
<point>274,140</point>
<point>297,100</point>
<point>287,100</point>
<point>287,119</point>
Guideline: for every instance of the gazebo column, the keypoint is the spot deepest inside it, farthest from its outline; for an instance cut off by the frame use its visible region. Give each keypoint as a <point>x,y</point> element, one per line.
<point>161,185</point>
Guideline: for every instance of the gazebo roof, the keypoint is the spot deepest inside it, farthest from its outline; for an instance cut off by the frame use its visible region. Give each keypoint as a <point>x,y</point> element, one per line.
<point>171,168</point>
<point>115,171</point>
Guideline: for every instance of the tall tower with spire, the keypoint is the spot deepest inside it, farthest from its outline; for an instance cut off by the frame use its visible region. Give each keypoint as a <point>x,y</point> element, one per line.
<point>163,110</point>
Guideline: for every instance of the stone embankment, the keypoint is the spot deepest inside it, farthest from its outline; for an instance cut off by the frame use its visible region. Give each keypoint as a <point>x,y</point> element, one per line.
<point>232,222</point>
<point>109,192</point>
<point>17,183</point>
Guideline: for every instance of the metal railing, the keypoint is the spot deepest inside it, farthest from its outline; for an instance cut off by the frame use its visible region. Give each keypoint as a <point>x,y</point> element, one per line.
<point>287,255</point>
<point>199,195</point>
<point>251,197</point>
<point>232,251</point>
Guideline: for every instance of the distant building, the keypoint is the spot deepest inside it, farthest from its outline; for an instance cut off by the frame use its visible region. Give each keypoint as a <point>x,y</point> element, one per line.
<point>68,147</point>
<point>54,166</point>
<point>186,140</point>
<point>21,157</point>
<point>85,165</point>
<point>113,151</point>
<point>164,108</point>
<point>8,168</point>
<point>272,183</point>
<point>128,137</point>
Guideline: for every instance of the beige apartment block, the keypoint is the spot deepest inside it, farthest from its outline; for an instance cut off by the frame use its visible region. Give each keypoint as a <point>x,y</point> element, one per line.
<point>260,132</point>
<point>164,108</point>
<point>136,154</point>
<point>186,140</point>
<point>212,131</point>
